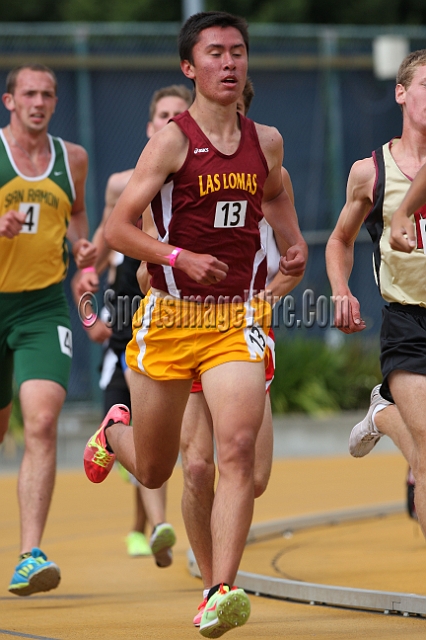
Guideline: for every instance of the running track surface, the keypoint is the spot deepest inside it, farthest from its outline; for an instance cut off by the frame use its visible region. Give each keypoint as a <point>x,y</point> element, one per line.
<point>105,595</point>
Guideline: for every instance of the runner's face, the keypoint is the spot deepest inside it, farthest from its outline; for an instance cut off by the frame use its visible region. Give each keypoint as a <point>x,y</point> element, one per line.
<point>165,109</point>
<point>220,64</point>
<point>414,98</point>
<point>34,100</point>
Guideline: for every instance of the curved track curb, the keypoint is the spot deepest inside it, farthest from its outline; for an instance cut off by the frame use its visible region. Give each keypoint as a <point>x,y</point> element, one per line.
<point>384,601</point>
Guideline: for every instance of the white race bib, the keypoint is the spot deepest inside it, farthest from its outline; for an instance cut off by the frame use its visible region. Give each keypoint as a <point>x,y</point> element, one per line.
<point>230,213</point>
<point>422,225</point>
<point>32,214</point>
<point>65,340</point>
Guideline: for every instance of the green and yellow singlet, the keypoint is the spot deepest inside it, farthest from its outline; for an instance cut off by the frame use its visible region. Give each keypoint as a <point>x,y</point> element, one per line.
<point>38,256</point>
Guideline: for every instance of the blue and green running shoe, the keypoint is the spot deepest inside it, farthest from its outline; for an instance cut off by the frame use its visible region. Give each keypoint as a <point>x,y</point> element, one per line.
<point>34,574</point>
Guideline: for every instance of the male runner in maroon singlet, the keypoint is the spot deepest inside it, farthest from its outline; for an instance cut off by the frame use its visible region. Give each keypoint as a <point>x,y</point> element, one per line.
<point>211,175</point>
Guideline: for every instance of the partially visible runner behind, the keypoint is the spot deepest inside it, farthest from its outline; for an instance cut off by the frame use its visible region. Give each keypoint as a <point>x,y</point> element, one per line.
<point>35,334</point>
<point>376,187</point>
<point>197,449</point>
<point>211,176</point>
<point>408,226</point>
<point>166,102</point>
<point>408,232</point>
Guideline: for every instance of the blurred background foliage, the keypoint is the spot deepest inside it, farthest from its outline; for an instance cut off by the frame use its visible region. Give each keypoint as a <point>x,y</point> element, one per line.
<point>311,375</point>
<point>16,423</point>
<point>383,12</point>
<point>14,437</point>
<point>314,377</point>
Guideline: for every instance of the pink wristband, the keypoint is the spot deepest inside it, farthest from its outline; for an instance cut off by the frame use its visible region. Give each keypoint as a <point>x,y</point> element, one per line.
<point>88,270</point>
<point>89,321</point>
<point>173,255</point>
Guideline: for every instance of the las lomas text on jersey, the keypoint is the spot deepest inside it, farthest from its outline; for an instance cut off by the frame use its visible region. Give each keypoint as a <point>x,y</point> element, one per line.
<point>211,183</point>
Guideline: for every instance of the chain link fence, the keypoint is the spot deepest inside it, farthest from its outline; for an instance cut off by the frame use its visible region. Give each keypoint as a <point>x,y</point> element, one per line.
<point>315,84</point>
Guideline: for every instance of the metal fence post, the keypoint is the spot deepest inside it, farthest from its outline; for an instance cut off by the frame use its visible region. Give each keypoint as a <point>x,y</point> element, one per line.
<point>334,124</point>
<point>86,139</point>
<point>189,7</point>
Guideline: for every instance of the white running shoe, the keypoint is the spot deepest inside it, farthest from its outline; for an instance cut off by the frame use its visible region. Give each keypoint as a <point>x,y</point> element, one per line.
<point>365,435</point>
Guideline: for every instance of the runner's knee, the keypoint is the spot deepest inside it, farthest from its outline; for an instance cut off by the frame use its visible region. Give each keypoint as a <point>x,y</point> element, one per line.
<point>41,428</point>
<point>198,472</point>
<point>152,477</point>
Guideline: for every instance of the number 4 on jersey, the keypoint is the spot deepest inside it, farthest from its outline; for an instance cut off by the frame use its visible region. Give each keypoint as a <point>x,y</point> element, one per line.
<point>65,340</point>
<point>32,214</point>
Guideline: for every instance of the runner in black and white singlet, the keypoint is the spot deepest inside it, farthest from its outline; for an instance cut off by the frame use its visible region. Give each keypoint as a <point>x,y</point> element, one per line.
<point>376,188</point>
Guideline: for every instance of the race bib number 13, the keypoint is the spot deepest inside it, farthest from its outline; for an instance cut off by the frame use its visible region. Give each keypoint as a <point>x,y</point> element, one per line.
<point>231,214</point>
<point>32,214</point>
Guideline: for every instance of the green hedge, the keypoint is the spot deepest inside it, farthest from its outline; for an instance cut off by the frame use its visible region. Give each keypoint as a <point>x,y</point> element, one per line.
<point>313,377</point>
<point>310,377</point>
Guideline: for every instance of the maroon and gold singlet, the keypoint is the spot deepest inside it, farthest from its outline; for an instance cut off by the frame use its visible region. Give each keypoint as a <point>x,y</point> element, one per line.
<point>213,205</point>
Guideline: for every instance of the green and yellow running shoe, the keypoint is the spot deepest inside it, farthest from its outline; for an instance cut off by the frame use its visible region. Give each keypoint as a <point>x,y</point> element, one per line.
<point>226,609</point>
<point>161,542</point>
<point>137,544</point>
<point>124,474</point>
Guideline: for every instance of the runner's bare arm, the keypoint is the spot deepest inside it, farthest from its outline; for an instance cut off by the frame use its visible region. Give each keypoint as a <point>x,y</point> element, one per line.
<point>340,246</point>
<point>287,183</point>
<point>142,274</point>
<point>84,251</point>
<point>163,155</point>
<point>89,281</point>
<point>281,284</point>
<point>278,208</point>
<point>115,186</point>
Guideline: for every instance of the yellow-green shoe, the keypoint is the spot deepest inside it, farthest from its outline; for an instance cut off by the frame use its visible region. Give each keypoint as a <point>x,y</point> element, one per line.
<point>226,609</point>
<point>137,544</point>
<point>124,474</point>
<point>161,542</point>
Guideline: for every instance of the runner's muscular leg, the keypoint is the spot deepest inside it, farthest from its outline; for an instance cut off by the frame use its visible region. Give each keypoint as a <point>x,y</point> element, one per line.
<point>264,451</point>
<point>41,403</point>
<point>140,514</point>
<point>154,501</point>
<point>150,448</point>
<point>198,481</point>
<point>390,422</point>
<point>409,392</point>
<point>199,473</point>
<point>237,417</point>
